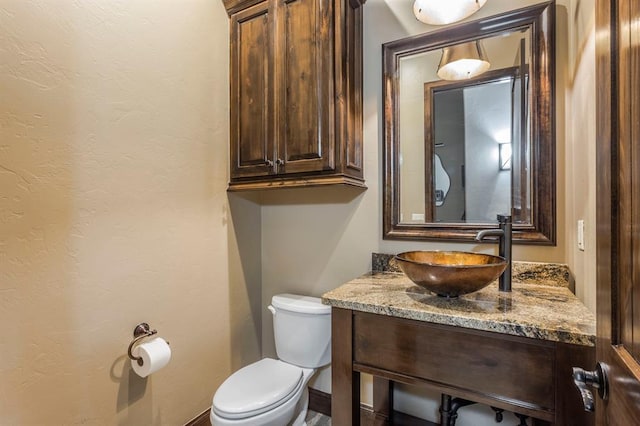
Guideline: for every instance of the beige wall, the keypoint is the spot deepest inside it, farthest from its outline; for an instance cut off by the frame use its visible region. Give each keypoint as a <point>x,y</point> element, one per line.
<point>581,147</point>
<point>113,210</point>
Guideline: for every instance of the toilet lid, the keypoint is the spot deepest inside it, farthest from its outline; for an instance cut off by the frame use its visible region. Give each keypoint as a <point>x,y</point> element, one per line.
<point>256,388</point>
<point>300,304</point>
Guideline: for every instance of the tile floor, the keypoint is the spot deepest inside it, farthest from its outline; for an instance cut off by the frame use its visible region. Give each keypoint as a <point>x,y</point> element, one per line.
<point>317,419</point>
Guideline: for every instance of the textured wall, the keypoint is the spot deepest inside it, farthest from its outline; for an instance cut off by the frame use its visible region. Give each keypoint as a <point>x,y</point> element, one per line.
<point>113,170</point>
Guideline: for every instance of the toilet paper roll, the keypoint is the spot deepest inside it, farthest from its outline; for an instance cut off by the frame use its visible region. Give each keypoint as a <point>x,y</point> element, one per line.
<point>155,354</point>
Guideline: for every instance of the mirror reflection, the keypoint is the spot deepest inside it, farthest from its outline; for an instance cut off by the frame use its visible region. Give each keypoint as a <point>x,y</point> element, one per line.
<point>452,134</point>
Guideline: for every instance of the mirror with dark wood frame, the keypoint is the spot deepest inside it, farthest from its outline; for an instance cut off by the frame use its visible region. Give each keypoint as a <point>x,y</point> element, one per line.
<point>457,153</point>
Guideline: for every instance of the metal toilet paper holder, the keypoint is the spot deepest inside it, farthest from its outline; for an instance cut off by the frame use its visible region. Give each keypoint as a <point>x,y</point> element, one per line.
<point>141,331</point>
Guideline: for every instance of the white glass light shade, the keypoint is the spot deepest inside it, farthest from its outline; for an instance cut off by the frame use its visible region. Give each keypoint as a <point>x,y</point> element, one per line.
<point>463,61</point>
<point>441,12</point>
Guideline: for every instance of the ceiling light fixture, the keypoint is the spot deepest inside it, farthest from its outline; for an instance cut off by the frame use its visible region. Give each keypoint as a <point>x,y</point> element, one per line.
<point>441,12</point>
<point>463,61</point>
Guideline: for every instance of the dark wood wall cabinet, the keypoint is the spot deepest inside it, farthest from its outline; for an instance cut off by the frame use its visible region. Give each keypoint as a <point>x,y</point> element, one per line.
<point>296,93</point>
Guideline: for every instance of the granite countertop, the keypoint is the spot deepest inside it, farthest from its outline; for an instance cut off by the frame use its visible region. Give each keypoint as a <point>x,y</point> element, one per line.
<point>535,310</point>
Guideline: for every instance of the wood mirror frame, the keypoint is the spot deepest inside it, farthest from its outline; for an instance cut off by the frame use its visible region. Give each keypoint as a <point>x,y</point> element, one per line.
<point>542,228</point>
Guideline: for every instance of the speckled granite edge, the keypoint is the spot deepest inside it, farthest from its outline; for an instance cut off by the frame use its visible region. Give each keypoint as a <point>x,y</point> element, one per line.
<point>552,274</point>
<point>542,312</point>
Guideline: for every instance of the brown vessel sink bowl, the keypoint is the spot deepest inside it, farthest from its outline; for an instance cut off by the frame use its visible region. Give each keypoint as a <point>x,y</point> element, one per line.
<point>451,273</point>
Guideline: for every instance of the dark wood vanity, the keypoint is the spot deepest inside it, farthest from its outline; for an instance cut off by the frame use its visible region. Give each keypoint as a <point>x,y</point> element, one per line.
<point>519,367</point>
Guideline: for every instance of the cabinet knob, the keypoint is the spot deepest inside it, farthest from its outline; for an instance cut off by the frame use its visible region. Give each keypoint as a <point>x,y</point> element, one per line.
<point>268,163</point>
<point>280,162</point>
<point>597,379</point>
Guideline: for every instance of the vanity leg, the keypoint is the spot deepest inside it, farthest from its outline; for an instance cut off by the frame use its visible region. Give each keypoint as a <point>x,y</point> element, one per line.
<point>382,401</point>
<point>345,383</point>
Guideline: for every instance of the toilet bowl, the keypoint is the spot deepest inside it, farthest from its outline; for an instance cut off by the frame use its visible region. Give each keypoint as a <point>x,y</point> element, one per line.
<point>266,393</point>
<point>274,392</point>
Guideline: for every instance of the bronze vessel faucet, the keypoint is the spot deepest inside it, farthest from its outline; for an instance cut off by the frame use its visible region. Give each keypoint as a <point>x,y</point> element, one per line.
<point>504,235</point>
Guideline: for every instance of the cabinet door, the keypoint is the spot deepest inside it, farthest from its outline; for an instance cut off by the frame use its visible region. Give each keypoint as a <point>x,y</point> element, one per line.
<point>305,86</point>
<point>252,98</point>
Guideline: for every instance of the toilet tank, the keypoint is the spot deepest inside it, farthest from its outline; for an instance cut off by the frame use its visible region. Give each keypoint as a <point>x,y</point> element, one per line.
<point>302,330</point>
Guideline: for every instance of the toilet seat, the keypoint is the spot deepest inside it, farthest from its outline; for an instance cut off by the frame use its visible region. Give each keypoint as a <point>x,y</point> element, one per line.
<point>257,388</point>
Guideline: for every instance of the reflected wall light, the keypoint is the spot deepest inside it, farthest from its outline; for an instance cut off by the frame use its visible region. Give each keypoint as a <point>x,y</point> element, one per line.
<point>505,156</point>
<point>463,61</point>
<point>441,12</point>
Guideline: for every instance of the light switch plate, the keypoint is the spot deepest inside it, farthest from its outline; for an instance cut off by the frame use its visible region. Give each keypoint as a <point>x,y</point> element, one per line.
<point>581,235</point>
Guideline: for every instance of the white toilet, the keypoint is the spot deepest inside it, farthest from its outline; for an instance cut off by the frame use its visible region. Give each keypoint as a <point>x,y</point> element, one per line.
<point>274,392</point>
